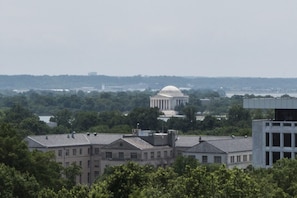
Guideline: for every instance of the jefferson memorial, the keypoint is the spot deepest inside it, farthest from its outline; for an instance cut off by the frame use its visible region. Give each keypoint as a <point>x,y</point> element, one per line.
<point>167,99</point>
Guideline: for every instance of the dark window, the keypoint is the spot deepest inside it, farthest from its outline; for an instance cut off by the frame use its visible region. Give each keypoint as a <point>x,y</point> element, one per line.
<point>267,158</point>
<point>121,155</point>
<point>74,151</point>
<point>67,152</point>
<point>287,140</point>
<point>275,156</point>
<point>287,155</point>
<point>204,159</point>
<point>276,124</point>
<point>267,123</point>
<point>275,139</point>
<point>108,155</point>
<point>96,151</point>
<point>145,155</point>
<point>133,155</point>
<point>217,159</point>
<point>152,155</point>
<point>60,153</point>
<point>287,124</point>
<point>295,140</point>
<point>159,154</point>
<point>80,151</point>
<point>267,139</point>
<point>165,154</point>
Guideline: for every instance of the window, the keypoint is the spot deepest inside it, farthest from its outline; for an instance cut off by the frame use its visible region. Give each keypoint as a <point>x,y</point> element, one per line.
<point>89,163</point>
<point>267,158</point>
<point>121,155</point>
<point>165,154</point>
<point>244,158</point>
<point>204,159</point>
<point>287,140</point>
<point>152,155</point>
<point>287,155</point>
<point>67,152</point>
<point>267,123</point>
<point>267,139</point>
<point>108,155</point>
<point>133,155</point>
<point>238,158</point>
<point>96,151</point>
<point>89,151</point>
<point>96,163</point>
<point>159,154</point>
<point>80,151</point>
<point>232,159</point>
<point>80,163</point>
<point>73,151</point>
<point>60,153</point>
<point>275,139</point>
<point>217,159</point>
<point>275,156</point>
<point>287,124</point>
<point>96,174</point>
<point>145,155</point>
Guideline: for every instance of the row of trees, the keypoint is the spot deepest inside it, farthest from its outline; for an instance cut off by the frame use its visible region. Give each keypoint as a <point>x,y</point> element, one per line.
<point>186,178</point>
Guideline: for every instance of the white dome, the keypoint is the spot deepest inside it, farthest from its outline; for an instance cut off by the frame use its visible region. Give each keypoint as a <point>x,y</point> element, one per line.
<point>170,91</point>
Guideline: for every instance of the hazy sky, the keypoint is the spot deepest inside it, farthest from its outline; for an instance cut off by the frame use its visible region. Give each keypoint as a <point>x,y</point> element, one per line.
<point>212,38</point>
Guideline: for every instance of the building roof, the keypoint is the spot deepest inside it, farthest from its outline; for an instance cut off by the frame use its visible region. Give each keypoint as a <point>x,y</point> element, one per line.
<point>170,91</point>
<point>57,140</point>
<point>223,146</point>
<point>270,103</point>
<point>191,140</point>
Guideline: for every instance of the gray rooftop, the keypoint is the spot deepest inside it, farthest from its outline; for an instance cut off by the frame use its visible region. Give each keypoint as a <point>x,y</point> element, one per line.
<point>191,140</point>
<point>223,146</point>
<point>270,103</point>
<point>57,140</point>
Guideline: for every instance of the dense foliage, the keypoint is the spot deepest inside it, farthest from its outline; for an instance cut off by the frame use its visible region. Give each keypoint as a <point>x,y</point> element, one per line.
<point>36,174</point>
<point>120,112</point>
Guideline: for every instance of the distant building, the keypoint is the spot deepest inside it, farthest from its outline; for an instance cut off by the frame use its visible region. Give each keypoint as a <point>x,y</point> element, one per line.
<point>233,152</point>
<point>277,138</point>
<point>168,99</point>
<point>94,152</point>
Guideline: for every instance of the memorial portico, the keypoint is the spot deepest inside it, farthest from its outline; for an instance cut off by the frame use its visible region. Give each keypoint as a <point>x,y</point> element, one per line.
<point>168,98</point>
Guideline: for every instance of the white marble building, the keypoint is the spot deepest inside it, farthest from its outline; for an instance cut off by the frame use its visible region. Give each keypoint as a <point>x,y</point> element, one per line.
<point>167,99</point>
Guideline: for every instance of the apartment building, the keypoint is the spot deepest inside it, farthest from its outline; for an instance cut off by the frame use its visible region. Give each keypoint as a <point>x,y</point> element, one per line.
<point>276,138</point>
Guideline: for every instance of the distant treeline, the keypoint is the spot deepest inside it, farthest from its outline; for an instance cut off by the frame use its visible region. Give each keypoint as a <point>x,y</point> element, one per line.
<point>101,82</point>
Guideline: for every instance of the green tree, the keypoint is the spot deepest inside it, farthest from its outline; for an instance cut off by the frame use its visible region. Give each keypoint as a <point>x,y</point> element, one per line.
<point>181,164</point>
<point>16,184</point>
<point>63,118</point>
<point>122,181</point>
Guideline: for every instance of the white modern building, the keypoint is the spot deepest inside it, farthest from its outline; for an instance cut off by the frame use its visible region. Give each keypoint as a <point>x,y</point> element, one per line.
<point>277,138</point>
<point>167,99</point>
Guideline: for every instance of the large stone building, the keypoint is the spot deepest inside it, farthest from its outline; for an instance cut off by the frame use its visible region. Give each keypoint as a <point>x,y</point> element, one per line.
<point>276,138</point>
<point>168,99</point>
<point>94,152</point>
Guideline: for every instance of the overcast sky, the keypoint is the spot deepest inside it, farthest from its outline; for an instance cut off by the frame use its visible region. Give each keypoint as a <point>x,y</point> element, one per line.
<point>211,38</point>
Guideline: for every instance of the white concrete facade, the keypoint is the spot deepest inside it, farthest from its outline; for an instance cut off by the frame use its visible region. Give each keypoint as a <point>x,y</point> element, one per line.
<point>274,139</point>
